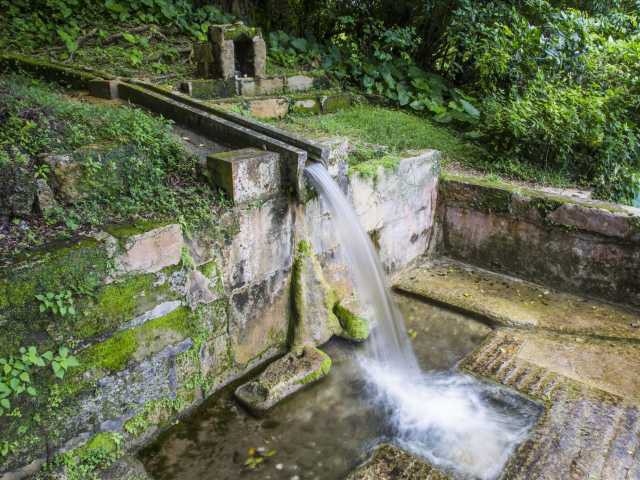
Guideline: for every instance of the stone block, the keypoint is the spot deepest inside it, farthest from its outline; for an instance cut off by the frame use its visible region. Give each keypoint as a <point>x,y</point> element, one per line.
<point>45,198</point>
<point>269,85</point>
<point>104,89</point>
<point>203,54</point>
<point>17,190</point>
<point>269,108</point>
<point>283,378</point>
<point>259,57</point>
<point>309,105</point>
<point>299,83</point>
<point>152,251</point>
<point>210,88</point>
<point>313,300</point>
<point>246,174</point>
<point>67,176</point>
<point>337,102</point>
<point>247,87</point>
<point>594,220</point>
<point>226,59</point>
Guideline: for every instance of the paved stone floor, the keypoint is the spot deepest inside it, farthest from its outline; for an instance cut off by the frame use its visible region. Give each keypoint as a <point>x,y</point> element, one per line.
<point>578,357</point>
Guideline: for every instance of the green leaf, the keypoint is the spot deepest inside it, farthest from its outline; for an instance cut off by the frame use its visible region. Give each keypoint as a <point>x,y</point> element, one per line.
<point>48,356</point>
<point>6,404</point>
<point>32,391</point>
<point>470,109</point>
<point>72,362</point>
<point>129,37</point>
<point>300,44</point>
<point>24,376</point>
<point>389,79</point>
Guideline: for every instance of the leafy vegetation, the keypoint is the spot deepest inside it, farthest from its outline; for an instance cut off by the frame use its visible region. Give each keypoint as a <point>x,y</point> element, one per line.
<point>132,166</point>
<point>17,373</point>
<point>543,86</point>
<point>149,37</point>
<point>380,135</point>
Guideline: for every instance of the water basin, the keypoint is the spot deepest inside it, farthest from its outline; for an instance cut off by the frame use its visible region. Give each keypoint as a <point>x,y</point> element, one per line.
<point>327,429</point>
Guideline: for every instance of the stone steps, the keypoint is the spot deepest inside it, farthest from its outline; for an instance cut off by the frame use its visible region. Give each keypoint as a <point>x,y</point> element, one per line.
<point>508,301</point>
<point>586,431</point>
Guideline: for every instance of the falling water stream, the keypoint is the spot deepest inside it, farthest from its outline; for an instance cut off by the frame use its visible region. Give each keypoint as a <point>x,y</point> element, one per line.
<point>448,418</point>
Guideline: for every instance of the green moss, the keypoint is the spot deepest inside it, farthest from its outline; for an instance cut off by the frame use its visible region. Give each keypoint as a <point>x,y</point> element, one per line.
<point>124,231</point>
<point>84,463</point>
<point>322,371</point>
<point>304,248</point>
<point>114,354</point>
<point>544,206</point>
<point>81,266</point>
<point>116,304</point>
<point>156,413</point>
<point>354,327</point>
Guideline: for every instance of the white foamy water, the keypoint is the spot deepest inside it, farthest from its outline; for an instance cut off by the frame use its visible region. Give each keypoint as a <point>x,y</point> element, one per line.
<point>448,419</point>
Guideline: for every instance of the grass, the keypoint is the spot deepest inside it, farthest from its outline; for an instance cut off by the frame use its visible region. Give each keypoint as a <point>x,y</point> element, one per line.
<point>381,135</point>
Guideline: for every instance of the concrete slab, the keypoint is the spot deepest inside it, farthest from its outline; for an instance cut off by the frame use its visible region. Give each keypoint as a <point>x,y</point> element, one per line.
<point>283,378</point>
<point>391,463</point>
<point>508,301</point>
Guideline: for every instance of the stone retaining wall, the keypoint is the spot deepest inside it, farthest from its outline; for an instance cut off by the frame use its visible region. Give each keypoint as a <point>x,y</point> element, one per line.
<point>173,317</point>
<point>585,247</point>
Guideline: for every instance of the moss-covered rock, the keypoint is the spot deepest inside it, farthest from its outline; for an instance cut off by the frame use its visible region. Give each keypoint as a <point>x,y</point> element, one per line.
<point>283,378</point>
<point>354,327</point>
<point>313,300</point>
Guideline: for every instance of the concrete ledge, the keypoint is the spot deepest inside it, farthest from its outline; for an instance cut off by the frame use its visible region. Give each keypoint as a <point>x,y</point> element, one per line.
<point>246,174</point>
<point>586,247</point>
<point>314,150</point>
<point>211,124</point>
<point>391,463</point>
<point>506,301</point>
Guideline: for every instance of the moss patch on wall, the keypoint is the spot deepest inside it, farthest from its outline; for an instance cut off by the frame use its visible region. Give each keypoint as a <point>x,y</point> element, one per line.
<point>77,267</point>
<point>114,354</point>
<point>354,327</point>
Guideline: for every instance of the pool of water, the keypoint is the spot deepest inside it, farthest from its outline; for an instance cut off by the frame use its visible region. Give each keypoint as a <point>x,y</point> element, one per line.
<point>324,431</point>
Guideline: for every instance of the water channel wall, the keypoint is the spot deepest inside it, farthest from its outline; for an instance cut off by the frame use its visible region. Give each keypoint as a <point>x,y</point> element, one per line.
<point>586,247</point>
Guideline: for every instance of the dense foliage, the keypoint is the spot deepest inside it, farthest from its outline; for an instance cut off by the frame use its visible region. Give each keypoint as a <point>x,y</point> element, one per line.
<point>541,84</point>
<point>554,84</point>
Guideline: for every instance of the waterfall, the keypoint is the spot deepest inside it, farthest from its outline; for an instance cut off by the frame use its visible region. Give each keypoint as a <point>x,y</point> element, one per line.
<point>389,343</point>
<point>450,419</point>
